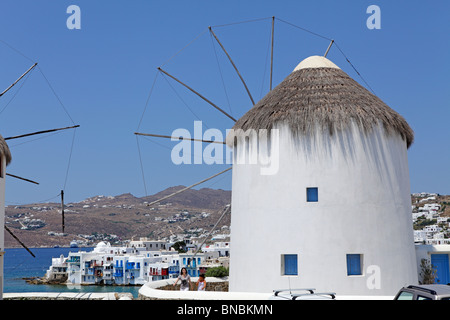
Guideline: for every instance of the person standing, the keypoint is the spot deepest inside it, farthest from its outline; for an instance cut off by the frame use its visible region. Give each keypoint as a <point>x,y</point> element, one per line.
<point>201,283</point>
<point>185,284</point>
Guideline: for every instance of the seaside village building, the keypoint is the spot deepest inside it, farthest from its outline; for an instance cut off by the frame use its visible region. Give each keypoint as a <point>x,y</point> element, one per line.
<point>139,262</point>
<point>323,200</point>
<point>5,159</point>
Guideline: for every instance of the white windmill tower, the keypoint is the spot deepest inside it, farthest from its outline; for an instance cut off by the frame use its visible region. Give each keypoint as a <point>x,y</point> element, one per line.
<point>333,213</point>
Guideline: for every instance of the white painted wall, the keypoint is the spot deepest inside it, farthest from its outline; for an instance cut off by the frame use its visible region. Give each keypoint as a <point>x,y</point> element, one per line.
<point>364,208</point>
<point>424,251</point>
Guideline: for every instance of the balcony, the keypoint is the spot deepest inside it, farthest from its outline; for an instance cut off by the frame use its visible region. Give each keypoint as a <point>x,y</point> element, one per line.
<point>89,272</point>
<point>156,272</point>
<point>132,266</point>
<point>73,259</point>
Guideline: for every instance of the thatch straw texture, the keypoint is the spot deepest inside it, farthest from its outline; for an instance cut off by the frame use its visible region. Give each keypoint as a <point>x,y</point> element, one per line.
<point>325,97</point>
<point>4,150</point>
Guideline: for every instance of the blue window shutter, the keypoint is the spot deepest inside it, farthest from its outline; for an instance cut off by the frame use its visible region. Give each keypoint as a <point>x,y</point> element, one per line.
<point>353,264</point>
<point>312,194</point>
<point>290,265</point>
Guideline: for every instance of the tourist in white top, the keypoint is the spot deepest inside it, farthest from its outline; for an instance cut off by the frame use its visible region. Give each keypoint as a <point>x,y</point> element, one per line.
<point>201,283</point>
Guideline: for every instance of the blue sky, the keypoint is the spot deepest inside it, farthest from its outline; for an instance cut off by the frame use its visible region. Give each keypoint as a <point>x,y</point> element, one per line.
<point>103,73</point>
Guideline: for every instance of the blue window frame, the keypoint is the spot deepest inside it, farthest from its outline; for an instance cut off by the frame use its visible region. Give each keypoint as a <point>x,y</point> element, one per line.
<point>312,194</point>
<point>354,265</point>
<point>290,265</point>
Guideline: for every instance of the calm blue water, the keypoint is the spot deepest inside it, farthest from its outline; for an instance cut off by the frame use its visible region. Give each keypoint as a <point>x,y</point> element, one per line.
<point>18,264</point>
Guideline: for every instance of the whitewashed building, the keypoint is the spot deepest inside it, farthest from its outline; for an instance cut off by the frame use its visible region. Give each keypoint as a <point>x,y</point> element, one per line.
<point>324,200</point>
<point>222,247</point>
<point>438,256</point>
<point>58,269</point>
<point>145,244</point>
<point>129,265</point>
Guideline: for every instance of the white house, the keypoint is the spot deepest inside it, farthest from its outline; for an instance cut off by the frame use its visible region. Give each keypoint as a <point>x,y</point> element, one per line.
<point>432,207</point>
<point>432,228</point>
<point>81,266</point>
<point>438,256</point>
<point>420,236</point>
<point>426,214</point>
<point>223,248</point>
<point>145,244</point>
<point>58,269</point>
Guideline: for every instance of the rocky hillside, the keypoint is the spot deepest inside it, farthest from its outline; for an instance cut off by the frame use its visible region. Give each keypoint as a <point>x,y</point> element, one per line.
<point>115,218</point>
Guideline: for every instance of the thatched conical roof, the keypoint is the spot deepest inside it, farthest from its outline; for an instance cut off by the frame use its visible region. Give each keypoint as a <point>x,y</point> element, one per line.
<point>4,150</point>
<point>319,93</point>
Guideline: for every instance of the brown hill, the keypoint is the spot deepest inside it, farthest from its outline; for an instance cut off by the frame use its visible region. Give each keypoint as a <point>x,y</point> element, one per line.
<point>204,198</point>
<point>116,218</point>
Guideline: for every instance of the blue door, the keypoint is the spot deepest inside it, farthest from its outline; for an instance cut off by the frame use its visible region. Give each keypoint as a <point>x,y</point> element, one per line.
<point>440,263</point>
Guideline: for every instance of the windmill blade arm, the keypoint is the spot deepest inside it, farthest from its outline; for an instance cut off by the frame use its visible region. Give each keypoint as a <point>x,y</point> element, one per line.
<point>328,49</point>
<point>232,63</point>
<point>198,94</point>
<point>24,179</point>
<point>40,132</point>
<point>176,138</point>
<point>271,52</point>
<point>26,72</point>
<point>186,188</point>
<point>179,191</point>
<point>225,211</point>
<point>18,240</point>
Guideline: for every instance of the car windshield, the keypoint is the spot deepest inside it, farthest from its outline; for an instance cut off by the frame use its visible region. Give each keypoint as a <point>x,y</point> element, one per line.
<point>405,295</point>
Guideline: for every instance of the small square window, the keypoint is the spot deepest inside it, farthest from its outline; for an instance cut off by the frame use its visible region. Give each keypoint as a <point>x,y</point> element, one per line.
<point>354,264</point>
<point>289,265</point>
<point>312,194</point>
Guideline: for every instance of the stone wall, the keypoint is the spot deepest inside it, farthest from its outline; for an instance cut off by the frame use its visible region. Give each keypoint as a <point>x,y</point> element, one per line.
<point>164,290</point>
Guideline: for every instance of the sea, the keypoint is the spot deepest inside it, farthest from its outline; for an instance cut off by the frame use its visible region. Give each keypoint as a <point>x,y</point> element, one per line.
<point>20,264</point>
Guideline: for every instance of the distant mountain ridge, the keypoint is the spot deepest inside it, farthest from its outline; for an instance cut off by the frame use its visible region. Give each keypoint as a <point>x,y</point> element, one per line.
<point>124,215</point>
<point>202,198</point>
